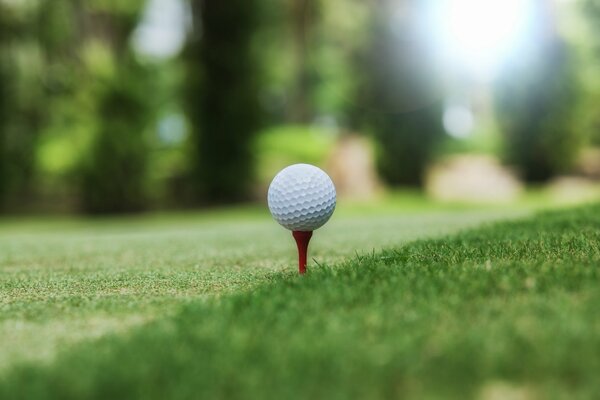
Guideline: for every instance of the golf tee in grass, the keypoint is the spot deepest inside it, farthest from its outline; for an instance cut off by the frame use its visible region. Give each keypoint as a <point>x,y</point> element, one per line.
<point>302,241</point>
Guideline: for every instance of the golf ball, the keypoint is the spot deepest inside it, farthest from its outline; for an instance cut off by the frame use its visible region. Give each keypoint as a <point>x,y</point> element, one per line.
<point>302,197</point>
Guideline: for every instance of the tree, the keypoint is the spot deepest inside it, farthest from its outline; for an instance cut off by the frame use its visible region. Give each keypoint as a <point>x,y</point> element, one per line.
<point>21,110</point>
<point>400,94</point>
<point>591,70</point>
<point>303,14</point>
<point>113,173</point>
<point>4,79</point>
<point>535,100</point>
<point>222,98</point>
<point>4,112</point>
<point>407,142</point>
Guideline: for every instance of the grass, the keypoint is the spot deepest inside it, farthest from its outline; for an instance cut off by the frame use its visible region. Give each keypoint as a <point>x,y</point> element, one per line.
<point>63,281</point>
<point>503,311</point>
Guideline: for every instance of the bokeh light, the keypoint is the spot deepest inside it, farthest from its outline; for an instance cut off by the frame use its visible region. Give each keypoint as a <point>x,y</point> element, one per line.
<point>458,121</point>
<point>477,36</point>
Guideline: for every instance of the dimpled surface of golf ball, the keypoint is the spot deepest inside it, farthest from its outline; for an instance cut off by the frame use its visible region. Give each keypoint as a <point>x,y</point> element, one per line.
<point>302,197</point>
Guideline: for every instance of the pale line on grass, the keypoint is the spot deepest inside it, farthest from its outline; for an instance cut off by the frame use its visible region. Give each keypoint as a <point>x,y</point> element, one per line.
<point>41,341</point>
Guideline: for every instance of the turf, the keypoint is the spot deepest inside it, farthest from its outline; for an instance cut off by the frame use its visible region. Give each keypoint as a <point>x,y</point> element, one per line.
<point>504,311</point>
<point>63,281</point>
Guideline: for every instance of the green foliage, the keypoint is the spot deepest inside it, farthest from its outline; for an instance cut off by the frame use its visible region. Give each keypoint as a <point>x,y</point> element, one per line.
<point>98,92</point>
<point>21,113</point>
<point>4,101</point>
<point>506,308</point>
<point>62,62</point>
<point>407,143</point>
<point>401,96</point>
<point>340,39</point>
<point>222,99</point>
<point>303,20</point>
<point>68,95</point>
<point>3,116</point>
<point>279,147</point>
<point>591,69</point>
<point>591,8</point>
<point>114,173</point>
<point>57,37</point>
<point>4,104</point>
<point>536,99</point>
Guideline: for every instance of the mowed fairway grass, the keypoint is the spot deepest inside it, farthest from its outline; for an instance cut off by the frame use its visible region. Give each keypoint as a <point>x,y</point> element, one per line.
<point>210,307</point>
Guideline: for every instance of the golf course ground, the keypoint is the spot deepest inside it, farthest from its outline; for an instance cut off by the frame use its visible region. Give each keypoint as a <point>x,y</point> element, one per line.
<point>422,304</point>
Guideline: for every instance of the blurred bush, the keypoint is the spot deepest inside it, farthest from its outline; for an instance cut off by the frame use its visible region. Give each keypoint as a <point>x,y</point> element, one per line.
<point>400,93</point>
<point>536,99</point>
<point>281,146</point>
<point>113,174</point>
<point>4,112</point>
<point>21,104</point>
<point>407,143</point>
<point>589,68</point>
<point>106,125</point>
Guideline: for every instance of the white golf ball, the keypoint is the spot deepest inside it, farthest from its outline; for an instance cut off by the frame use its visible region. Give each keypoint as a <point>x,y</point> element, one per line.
<point>302,197</point>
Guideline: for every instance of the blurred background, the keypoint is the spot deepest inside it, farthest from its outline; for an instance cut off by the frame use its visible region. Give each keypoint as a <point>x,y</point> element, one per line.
<point>113,106</point>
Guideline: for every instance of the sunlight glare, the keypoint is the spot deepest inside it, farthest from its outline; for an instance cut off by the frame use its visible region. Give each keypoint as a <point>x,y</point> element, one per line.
<point>478,35</point>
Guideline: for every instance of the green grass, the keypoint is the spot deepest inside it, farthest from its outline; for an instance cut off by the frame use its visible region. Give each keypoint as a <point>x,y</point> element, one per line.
<point>63,281</point>
<point>503,311</point>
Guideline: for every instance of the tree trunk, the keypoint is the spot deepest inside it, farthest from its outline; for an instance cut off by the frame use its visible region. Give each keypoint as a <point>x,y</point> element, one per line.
<point>302,14</point>
<point>222,98</point>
